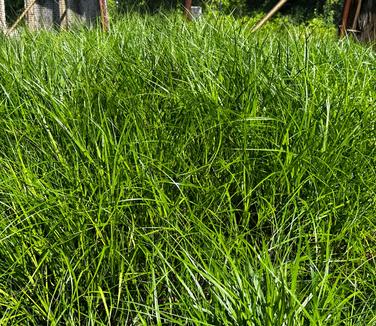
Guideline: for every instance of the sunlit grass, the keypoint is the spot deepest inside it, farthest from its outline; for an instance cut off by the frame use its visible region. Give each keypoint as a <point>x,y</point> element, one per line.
<point>174,173</point>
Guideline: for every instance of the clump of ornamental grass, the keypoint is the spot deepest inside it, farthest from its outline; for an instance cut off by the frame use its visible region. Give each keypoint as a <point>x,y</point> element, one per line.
<point>170,173</point>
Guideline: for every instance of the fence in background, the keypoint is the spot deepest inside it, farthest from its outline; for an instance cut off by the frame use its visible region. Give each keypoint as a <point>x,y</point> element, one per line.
<point>50,13</point>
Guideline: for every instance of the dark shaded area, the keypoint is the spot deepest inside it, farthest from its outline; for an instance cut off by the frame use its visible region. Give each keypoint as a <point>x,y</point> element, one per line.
<point>367,22</point>
<point>299,9</point>
<point>290,5</point>
<point>13,9</point>
<point>87,9</point>
<point>148,6</point>
<point>48,12</point>
<point>362,26</point>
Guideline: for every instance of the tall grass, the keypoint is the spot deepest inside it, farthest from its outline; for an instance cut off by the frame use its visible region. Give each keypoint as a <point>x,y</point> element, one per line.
<point>171,173</point>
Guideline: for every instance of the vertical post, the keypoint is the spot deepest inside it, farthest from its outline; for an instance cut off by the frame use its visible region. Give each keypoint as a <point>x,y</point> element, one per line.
<point>3,22</point>
<point>357,13</point>
<point>29,5</point>
<point>187,9</point>
<point>104,15</point>
<point>71,17</point>
<point>31,14</point>
<point>345,18</point>
<point>63,14</point>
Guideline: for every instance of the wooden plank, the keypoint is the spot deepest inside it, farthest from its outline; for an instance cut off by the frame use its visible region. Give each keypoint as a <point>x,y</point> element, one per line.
<point>28,9</point>
<point>269,15</point>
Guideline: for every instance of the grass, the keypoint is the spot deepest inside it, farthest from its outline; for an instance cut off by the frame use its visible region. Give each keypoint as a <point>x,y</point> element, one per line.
<point>171,174</point>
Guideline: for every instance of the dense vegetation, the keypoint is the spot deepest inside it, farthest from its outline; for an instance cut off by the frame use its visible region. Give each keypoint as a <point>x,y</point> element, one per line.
<point>300,9</point>
<point>174,173</point>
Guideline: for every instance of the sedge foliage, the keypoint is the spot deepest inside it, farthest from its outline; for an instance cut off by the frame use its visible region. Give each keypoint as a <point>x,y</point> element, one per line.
<point>173,173</point>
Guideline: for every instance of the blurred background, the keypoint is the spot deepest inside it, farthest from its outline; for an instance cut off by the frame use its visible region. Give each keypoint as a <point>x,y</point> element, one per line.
<point>298,10</point>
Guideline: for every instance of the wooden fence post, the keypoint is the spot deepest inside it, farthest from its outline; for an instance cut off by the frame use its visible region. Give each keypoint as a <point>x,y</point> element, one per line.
<point>104,15</point>
<point>3,22</point>
<point>359,19</point>
<point>63,13</point>
<point>187,9</point>
<point>345,18</point>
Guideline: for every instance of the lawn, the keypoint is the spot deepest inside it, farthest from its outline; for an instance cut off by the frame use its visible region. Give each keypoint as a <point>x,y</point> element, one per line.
<point>174,173</point>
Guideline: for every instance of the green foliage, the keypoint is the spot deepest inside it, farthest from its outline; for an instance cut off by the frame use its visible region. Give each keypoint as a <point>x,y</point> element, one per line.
<point>329,9</point>
<point>175,173</point>
<point>332,10</point>
<point>229,6</point>
<point>148,5</point>
<point>300,9</point>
